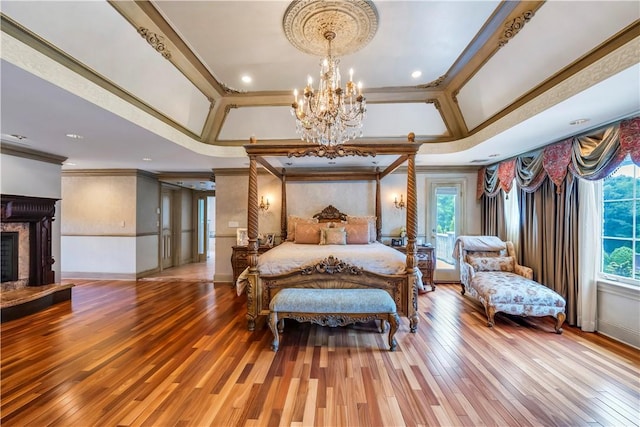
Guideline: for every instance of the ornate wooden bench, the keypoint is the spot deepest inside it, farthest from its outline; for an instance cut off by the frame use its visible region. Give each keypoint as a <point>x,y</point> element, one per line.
<point>333,307</point>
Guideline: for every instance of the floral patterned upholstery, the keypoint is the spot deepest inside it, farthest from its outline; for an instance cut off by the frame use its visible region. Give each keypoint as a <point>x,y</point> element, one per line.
<point>502,285</point>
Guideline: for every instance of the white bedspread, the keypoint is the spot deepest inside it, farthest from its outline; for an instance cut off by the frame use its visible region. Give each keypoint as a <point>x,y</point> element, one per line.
<point>374,257</point>
<point>288,256</point>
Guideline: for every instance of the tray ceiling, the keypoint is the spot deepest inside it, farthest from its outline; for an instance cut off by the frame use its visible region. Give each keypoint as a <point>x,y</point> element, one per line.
<point>497,78</point>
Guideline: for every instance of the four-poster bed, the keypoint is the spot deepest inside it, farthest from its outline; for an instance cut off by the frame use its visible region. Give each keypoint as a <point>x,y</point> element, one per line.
<point>329,271</point>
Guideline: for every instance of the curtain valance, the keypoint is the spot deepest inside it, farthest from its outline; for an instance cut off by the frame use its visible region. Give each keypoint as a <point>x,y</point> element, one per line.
<point>591,157</point>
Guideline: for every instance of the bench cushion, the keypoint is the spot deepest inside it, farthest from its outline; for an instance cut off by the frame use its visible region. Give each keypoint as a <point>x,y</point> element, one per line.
<point>305,300</point>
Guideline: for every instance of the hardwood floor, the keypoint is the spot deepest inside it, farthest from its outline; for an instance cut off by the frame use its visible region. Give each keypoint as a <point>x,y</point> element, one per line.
<point>166,351</point>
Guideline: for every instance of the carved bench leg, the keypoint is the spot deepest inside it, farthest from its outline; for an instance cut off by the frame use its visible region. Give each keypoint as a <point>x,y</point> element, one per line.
<point>394,321</point>
<point>559,322</point>
<point>273,325</point>
<point>281,325</point>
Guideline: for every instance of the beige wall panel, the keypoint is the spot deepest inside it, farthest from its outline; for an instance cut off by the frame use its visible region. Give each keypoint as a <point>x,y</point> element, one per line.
<point>99,205</point>
<point>148,203</point>
<point>350,197</point>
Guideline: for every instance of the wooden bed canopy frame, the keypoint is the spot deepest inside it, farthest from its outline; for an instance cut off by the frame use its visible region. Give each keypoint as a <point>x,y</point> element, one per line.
<point>257,153</point>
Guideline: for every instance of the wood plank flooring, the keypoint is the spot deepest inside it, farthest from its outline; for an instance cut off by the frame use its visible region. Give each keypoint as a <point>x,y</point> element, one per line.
<point>166,351</point>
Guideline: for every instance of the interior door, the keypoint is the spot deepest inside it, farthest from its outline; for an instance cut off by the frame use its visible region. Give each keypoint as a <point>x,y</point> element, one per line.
<point>445,224</point>
<point>167,244</point>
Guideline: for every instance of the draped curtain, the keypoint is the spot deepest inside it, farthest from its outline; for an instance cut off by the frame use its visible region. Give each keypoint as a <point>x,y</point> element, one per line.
<point>548,205</point>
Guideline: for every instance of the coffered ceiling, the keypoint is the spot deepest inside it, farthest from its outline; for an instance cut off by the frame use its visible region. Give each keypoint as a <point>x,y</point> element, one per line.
<point>163,80</point>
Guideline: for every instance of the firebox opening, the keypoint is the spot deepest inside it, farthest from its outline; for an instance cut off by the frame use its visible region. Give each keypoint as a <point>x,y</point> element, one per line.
<point>8,256</point>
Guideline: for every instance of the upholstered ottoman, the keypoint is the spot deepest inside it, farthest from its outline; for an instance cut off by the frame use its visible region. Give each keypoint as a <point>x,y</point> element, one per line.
<point>511,293</point>
<point>332,307</point>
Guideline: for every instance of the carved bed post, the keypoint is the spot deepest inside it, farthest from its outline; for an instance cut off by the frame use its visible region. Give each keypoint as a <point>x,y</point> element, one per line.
<point>252,249</point>
<point>412,232</point>
<point>252,215</point>
<point>378,208</point>
<point>283,210</point>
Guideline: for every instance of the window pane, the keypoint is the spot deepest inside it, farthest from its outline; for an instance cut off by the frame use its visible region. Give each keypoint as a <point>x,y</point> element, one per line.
<point>618,186</point>
<point>621,222</point>
<point>618,257</point>
<point>618,219</point>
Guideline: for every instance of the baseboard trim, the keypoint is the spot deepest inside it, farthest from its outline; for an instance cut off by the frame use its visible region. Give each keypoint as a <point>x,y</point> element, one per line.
<point>66,275</point>
<point>619,333</point>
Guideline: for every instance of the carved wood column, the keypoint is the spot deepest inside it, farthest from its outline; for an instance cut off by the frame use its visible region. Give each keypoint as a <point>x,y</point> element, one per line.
<point>252,215</point>
<point>378,208</point>
<point>283,211</point>
<point>412,212</point>
<point>412,222</point>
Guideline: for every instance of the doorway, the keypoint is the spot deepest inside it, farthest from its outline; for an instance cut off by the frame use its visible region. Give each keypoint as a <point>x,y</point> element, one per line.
<point>206,230</point>
<point>446,224</point>
<point>167,241</point>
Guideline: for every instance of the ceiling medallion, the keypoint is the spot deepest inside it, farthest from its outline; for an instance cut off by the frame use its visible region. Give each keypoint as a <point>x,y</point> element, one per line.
<point>330,115</point>
<point>306,22</point>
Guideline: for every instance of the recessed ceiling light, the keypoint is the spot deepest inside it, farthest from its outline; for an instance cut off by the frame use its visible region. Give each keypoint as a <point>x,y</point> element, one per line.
<point>69,164</point>
<point>74,136</point>
<point>416,74</point>
<point>578,121</point>
<point>18,137</point>
<point>146,159</point>
<point>246,79</point>
<point>494,155</point>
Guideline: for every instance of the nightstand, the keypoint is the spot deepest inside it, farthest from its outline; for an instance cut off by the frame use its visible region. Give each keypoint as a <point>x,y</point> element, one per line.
<point>239,259</point>
<point>425,258</point>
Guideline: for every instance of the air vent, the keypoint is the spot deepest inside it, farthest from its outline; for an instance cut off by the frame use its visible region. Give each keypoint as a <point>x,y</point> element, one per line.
<point>479,160</point>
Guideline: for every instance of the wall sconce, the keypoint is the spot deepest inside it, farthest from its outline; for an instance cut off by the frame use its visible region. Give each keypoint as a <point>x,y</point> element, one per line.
<point>263,206</point>
<point>399,204</point>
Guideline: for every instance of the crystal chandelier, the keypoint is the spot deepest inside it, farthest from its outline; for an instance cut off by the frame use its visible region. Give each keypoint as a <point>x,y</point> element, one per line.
<point>329,115</point>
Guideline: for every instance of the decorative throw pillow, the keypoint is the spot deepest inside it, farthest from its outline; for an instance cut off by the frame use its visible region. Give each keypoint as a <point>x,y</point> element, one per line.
<point>370,220</point>
<point>357,234</point>
<point>334,236</point>
<point>323,233</point>
<point>292,220</point>
<point>307,233</point>
<point>494,263</point>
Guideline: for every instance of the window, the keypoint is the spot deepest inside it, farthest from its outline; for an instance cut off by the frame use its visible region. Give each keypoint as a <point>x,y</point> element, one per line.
<point>621,223</point>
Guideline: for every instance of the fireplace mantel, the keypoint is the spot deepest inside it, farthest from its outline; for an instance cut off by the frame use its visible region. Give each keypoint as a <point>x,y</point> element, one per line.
<point>39,213</point>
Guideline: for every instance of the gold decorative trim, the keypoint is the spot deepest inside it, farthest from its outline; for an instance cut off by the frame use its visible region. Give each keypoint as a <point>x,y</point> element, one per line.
<point>512,28</point>
<point>156,41</point>
<point>228,107</point>
<point>435,103</point>
<point>436,83</point>
<point>330,213</point>
<point>331,265</point>
<point>331,152</point>
<point>354,22</point>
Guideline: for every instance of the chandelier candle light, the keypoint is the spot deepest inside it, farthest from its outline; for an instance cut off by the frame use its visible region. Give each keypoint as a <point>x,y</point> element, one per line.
<point>329,115</point>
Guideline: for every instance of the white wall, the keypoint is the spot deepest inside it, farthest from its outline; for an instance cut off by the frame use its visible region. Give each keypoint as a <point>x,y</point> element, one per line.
<point>619,312</point>
<point>27,177</point>
<point>110,227</point>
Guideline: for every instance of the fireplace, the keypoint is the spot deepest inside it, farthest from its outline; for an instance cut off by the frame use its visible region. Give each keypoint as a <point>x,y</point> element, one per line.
<point>26,236</point>
<point>9,257</point>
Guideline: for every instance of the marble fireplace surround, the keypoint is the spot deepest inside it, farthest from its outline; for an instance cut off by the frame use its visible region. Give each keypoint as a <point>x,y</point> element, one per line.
<point>35,288</point>
<point>32,217</point>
